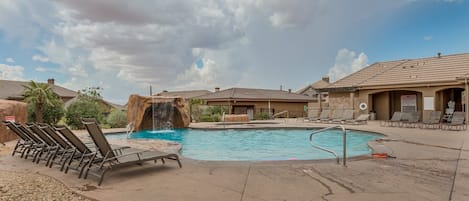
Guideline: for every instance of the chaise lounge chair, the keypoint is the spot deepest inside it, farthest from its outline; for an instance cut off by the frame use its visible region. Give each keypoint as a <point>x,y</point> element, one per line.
<point>457,122</point>
<point>410,119</point>
<point>24,143</point>
<point>83,153</point>
<point>324,115</point>
<point>433,121</point>
<point>57,145</point>
<point>394,121</point>
<point>362,119</point>
<point>111,161</point>
<point>347,115</point>
<point>313,114</point>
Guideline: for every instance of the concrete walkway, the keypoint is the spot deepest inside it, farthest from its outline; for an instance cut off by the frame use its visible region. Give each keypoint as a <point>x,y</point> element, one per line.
<point>426,164</point>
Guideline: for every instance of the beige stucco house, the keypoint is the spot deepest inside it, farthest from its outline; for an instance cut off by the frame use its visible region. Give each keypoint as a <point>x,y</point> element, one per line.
<point>254,101</point>
<point>423,85</point>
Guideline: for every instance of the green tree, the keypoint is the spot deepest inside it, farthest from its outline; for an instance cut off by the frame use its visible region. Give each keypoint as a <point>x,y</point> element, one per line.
<point>89,104</point>
<point>40,95</point>
<point>51,113</point>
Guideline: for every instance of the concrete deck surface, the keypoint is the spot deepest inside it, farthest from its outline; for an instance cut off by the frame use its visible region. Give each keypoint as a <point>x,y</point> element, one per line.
<point>429,165</point>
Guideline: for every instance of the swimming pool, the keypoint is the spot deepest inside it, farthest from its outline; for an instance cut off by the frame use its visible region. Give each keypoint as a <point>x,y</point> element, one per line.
<point>259,144</point>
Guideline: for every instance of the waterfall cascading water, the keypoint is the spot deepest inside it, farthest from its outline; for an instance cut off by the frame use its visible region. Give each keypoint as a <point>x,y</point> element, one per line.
<point>162,117</point>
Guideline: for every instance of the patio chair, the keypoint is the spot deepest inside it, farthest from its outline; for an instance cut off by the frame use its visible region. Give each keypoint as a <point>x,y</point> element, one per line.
<point>66,149</point>
<point>324,115</point>
<point>53,148</point>
<point>410,119</point>
<point>81,156</point>
<point>23,143</point>
<point>457,122</point>
<point>362,119</point>
<point>394,121</point>
<point>111,161</point>
<point>433,121</point>
<point>346,115</point>
<point>39,144</point>
<point>313,114</point>
<point>336,114</point>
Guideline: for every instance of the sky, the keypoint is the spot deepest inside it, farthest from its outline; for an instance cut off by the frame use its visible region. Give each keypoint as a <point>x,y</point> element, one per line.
<point>125,46</point>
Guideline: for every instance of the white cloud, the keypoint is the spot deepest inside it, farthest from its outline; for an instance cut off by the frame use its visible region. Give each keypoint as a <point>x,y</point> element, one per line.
<point>207,76</point>
<point>40,69</point>
<point>77,71</point>
<point>427,38</point>
<point>126,48</point>
<point>347,62</point>
<point>10,60</point>
<point>40,58</point>
<point>292,13</point>
<point>8,72</point>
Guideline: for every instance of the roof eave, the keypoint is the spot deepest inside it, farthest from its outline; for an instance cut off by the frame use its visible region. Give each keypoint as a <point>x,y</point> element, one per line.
<point>338,89</point>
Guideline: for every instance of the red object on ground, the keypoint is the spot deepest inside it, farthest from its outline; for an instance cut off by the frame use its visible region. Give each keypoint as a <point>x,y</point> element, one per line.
<point>379,155</point>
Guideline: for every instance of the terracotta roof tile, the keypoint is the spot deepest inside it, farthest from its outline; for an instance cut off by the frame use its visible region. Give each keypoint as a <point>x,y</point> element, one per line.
<point>185,94</point>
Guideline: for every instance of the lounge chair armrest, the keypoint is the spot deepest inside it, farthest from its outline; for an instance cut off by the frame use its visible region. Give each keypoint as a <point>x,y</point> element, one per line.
<point>126,154</point>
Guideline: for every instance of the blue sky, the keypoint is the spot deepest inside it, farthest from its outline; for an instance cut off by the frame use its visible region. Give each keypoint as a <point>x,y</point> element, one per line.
<point>202,44</point>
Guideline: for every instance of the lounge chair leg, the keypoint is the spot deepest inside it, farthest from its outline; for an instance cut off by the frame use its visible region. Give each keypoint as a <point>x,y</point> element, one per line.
<point>162,160</point>
<point>16,147</point>
<point>179,162</point>
<point>101,178</point>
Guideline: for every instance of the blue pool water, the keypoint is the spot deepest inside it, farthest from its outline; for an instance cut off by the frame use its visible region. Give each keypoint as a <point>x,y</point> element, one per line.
<point>258,144</point>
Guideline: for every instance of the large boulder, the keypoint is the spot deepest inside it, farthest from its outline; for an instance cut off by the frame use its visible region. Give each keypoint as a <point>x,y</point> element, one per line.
<point>15,109</point>
<point>167,112</point>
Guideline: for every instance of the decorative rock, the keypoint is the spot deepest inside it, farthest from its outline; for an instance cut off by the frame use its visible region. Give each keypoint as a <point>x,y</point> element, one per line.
<point>11,108</point>
<point>167,109</point>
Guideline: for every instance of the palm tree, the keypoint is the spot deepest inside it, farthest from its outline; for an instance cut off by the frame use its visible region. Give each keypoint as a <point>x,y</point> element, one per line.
<point>39,94</point>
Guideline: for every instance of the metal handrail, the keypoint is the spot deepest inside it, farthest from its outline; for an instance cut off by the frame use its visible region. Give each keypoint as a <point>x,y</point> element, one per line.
<point>280,113</point>
<point>344,133</point>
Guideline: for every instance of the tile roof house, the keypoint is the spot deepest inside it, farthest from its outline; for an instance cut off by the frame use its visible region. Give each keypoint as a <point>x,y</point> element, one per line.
<point>422,84</point>
<point>254,101</point>
<point>13,90</point>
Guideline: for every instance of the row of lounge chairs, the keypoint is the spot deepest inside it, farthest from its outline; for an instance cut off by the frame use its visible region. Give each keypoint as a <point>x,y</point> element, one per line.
<point>59,145</point>
<point>339,116</point>
<point>434,121</point>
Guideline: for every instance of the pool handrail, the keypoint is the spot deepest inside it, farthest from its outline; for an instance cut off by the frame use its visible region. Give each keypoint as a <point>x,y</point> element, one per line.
<point>344,133</point>
<point>129,129</point>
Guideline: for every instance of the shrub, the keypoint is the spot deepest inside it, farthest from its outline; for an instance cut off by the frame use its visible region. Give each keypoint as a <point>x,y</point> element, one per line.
<point>212,113</point>
<point>262,116</point>
<point>117,119</point>
<point>210,118</point>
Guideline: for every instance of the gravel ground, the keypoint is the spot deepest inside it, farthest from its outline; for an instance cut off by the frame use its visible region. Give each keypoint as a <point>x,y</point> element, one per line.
<point>19,186</point>
<point>16,186</point>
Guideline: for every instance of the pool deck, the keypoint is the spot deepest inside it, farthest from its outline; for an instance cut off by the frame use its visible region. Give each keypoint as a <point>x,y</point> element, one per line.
<point>429,165</point>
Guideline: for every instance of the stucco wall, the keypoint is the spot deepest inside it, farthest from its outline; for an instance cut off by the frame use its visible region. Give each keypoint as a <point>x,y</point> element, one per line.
<point>381,103</point>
